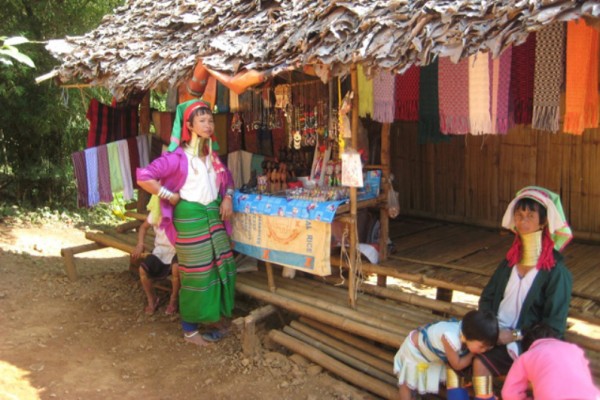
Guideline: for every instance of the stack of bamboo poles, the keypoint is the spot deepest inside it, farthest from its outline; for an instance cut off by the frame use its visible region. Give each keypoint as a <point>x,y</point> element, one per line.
<point>356,344</point>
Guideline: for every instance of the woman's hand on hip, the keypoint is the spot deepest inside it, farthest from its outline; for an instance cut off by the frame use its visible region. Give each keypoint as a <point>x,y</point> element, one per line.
<point>226,209</point>
<point>174,199</point>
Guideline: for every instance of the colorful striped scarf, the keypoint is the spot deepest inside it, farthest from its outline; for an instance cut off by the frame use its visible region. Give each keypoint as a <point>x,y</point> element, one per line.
<point>582,78</point>
<point>407,94</point>
<point>549,53</point>
<point>125,169</point>
<point>453,96</point>
<point>521,83</point>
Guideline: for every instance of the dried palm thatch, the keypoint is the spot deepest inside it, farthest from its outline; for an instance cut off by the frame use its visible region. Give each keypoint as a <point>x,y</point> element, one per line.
<point>151,44</point>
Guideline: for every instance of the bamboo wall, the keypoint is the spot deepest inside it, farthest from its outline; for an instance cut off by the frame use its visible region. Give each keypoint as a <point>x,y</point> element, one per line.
<point>472,179</point>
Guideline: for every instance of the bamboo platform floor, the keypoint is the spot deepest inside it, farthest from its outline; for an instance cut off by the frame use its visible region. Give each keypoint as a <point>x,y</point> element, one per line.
<point>376,327</point>
<point>462,257</point>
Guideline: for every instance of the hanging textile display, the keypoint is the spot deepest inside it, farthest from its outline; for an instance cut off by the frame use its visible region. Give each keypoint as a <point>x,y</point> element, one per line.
<point>143,150</point>
<point>91,173</point>
<point>429,114</point>
<point>549,53</point>
<point>453,82</point>
<point>104,175</point>
<point>500,69</point>
<point>479,94</point>
<point>125,169</point>
<point>108,124</point>
<point>78,159</point>
<point>407,87</point>
<point>581,104</point>
<point>365,93</point>
<point>521,82</point>
<point>134,158</point>
<point>383,97</point>
<point>116,178</point>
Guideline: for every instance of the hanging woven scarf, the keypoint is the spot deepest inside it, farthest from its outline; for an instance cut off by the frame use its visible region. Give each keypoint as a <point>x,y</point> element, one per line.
<point>453,96</point>
<point>500,84</point>
<point>383,97</point>
<point>407,94</point>
<point>429,115</point>
<point>521,82</point>
<point>581,105</point>
<point>365,93</point>
<point>549,54</point>
<point>80,178</point>
<point>479,94</point>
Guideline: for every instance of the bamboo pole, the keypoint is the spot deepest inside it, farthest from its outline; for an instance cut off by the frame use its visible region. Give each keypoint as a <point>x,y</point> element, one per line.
<point>354,352</point>
<point>270,279</point>
<point>368,304</point>
<point>350,339</point>
<point>353,199</point>
<point>347,324</point>
<point>127,226</point>
<point>416,300</point>
<point>369,268</point>
<point>341,356</point>
<point>371,384</point>
<point>384,221</point>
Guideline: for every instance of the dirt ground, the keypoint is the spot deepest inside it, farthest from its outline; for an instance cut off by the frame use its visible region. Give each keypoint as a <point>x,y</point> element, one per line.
<point>90,339</point>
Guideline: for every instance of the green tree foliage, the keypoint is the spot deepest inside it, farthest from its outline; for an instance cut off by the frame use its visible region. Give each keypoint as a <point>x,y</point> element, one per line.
<point>41,125</point>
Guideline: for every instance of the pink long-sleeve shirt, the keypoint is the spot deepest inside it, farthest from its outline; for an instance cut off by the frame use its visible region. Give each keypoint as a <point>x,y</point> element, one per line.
<point>557,370</point>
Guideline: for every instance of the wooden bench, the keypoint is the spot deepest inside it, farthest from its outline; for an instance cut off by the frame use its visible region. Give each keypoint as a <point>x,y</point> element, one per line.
<point>123,237</point>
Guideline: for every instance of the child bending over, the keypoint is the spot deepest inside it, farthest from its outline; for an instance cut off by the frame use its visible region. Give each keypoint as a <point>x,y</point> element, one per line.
<point>421,362</point>
<point>555,369</point>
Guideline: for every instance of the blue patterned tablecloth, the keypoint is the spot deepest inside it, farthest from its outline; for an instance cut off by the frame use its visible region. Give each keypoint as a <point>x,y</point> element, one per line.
<point>283,207</point>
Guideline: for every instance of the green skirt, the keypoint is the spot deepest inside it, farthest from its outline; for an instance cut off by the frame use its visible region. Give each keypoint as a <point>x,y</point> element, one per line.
<point>206,264</point>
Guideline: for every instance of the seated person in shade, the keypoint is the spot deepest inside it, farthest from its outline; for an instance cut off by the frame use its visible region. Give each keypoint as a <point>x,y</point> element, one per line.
<point>158,265</point>
<point>554,369</point>
<point>531,285</point>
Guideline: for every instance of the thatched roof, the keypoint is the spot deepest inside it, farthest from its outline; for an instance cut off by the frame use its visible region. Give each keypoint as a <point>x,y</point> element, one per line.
<point>155,43</point>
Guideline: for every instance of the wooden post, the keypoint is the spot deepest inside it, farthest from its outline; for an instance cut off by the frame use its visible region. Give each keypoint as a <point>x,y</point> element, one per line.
<point>143,196</point>
<point>270,278</point>
<point>353,199</point>
<point>384,219</point>
<point>250,343</point>
<point>69,259</point>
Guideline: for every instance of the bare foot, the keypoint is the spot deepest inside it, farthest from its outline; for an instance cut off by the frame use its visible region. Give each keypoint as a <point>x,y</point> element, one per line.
<point>151,308</point>
<point>195,338</point>
<point>171,309</point>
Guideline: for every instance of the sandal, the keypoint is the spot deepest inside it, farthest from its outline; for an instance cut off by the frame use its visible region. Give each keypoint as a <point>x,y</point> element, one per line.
<point>213,336</point>
<point>195,338</point>
<point>171,309</point>
<point>149,310</point>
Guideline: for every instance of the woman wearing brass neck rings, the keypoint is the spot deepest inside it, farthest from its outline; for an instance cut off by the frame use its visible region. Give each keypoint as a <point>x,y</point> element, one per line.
<point>196,192</point>
<point>530,286</point>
